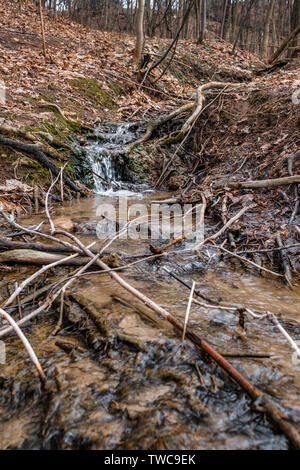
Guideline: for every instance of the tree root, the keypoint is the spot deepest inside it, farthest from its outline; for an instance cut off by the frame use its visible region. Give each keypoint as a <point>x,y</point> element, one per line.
<point>37,154</point>
<point>32,137</point>
<point>197,104</point>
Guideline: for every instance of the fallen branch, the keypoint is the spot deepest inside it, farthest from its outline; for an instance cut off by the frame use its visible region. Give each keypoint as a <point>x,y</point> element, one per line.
<point>226,226</point>
<point>267,250</point>
<point>188,309</point>
<point>50,299</point>
<point>28,281</point>
<point>270,183</point>
<point>184,236</point>
<point>247,261</point>
<point>7,243</point>
<point>284,261</point>
<point>290,161</point>
<point>39,258</point>
<point>31,136</point>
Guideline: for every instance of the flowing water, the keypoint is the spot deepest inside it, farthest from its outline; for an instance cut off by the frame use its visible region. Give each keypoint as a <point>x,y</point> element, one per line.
<point>104,153</point>
<point>119,376</point>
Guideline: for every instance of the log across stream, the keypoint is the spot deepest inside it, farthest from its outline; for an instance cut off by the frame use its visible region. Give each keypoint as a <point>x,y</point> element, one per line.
<point>120,378</point>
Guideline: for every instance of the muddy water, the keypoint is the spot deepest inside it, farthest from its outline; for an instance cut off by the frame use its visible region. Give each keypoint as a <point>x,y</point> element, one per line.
<point>119,377</point>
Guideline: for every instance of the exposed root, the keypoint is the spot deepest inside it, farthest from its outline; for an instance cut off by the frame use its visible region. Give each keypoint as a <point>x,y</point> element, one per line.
<point>197,104</point>
<point>37,154</point>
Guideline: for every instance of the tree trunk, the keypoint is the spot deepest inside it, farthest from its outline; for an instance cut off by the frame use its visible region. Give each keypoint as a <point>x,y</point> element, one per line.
<point>139,34</point>
<point>55,9</point>
<point>267,28</point>
<point>285,43</point>
<point>235,19</point>
<point>37,154</point>
<point>223,19</point>
<point>295,22</point>
<point>203,22</point>
<point>242,23</point>
<point>43,29</point>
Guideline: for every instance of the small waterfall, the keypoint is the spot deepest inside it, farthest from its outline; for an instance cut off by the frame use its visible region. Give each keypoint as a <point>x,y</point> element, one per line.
<point>104,153</point>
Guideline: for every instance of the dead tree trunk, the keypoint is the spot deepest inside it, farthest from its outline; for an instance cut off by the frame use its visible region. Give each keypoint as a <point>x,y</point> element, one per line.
<point>294,23</point>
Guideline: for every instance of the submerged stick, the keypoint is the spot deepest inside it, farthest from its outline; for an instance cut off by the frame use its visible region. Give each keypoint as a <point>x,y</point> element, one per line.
<point>26,343</point>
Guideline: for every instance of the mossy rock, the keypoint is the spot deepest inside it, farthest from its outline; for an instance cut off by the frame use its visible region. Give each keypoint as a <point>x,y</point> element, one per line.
<point>137,167</point>
<point>80,168</point>
<point>92,90</point>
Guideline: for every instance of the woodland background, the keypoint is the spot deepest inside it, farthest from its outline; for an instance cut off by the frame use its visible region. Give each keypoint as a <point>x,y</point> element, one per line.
<point>258,26</point>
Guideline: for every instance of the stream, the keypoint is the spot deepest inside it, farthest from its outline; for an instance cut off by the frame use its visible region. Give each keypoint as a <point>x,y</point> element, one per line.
<point>119,377</point>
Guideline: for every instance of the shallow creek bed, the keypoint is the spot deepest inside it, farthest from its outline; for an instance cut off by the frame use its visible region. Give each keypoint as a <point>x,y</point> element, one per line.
<point>120,377</point>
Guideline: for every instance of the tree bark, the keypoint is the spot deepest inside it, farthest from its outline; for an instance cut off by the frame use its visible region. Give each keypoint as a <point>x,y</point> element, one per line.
<point>139,34</point>
<point>42,29</point>
<point>294,24</point>
<point>267,28</point>
<point>203,22</point>
<point>224,19</point>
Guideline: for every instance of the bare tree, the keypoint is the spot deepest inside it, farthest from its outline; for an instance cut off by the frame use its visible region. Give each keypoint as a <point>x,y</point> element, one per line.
<point>258,26</point>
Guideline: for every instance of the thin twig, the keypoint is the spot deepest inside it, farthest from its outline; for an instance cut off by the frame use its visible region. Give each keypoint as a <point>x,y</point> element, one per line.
<point>26,343</point>
<point>188,309</point>
<point>245,260</point>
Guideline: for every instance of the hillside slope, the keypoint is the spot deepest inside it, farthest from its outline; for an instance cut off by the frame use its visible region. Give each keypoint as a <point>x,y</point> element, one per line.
<point>89,75</point>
